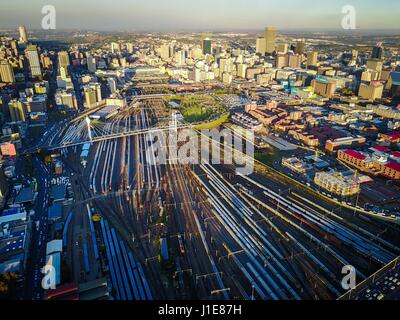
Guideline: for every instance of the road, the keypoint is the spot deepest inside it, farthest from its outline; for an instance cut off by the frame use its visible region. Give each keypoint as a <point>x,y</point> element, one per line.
<point>37,257</point>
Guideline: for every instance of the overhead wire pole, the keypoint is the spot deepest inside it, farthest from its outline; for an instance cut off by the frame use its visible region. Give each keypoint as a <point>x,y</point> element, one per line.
<point>87,119</point>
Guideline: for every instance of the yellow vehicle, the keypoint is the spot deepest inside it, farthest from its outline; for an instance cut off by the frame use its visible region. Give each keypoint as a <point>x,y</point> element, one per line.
<point>96,217</point>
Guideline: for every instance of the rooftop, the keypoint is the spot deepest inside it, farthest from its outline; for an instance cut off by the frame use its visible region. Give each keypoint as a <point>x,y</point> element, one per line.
<point>393,165</point>
<point>355,154</point>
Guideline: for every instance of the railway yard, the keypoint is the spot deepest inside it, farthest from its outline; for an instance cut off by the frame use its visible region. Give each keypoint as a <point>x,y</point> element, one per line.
<point>227,236</point>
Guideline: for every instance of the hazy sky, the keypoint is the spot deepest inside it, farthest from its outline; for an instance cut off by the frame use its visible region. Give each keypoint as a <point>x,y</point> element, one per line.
<point>181,15</point>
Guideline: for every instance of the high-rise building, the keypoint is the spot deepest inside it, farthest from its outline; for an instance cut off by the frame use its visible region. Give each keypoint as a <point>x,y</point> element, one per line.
<point>6,72</point>
<point>164,51</point>
<point>17,111</point>
<point>63,61</point>
<point>270,39</point>
<point>33,57</point>
<point>281,60</point>
<point>324,87</point>
<point>22,34</point>
<point>90,97</point>
<point>372,91</point>
<point>206,45</point>
<point>115,47</point>
<point>91,64</point>
<point>63,73</point>
<point>260,46</point>
<point>375,65</point>
<point>112,84</point>
<point>241,70</point>
<point>282,48</point>
<point>207,49</point>
<point>377,51</point>
<point>92,93</point>
<point>180,57</point>
<point>66,99</point>
<point>294,60</point>
<point>129,47</point>
<point>312,59</point>
<point>300,46</point>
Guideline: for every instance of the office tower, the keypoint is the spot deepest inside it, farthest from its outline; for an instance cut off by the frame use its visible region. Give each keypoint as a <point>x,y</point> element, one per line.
<point>90,97</point>
<point>294,60</point>
<point>377,51</point>
<point>227,78</point>
<point>92,94</point>
<point>241,70</point>
<point>91,64</point>
<point>218,50</point>
<point>112,85</point>
<point>281,60</point>
<point>300,46</point>
<point>375,65</point>
<point>17,111</point>
<point>66,99</point>
<point>270,39</point>
<point>63,73</point>
<point>129,48</point>
<point>206,36</point>
<point>172,50</point>
<point>115,47</point>
<point>6,72</point>
<point>180,57</point>
<point>32,55</point>
<point>312,59</point>
<point>14,46</point>
<point>260,46</point>
<point>372,91</point>
<point>63,61</point>
<point>22,34</point>
<point>46,62</point>
<point>164,52</point>
<point>282,48</point>
<point>324,87</point>
<point>207,46</point>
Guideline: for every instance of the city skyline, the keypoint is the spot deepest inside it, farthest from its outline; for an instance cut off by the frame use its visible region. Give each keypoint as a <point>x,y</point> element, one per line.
<point>218,151</point>
<point>156,15</point>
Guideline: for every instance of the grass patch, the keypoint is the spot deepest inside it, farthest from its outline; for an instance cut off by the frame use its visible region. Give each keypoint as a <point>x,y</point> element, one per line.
<point>265,158</point>
<point>215,123</point>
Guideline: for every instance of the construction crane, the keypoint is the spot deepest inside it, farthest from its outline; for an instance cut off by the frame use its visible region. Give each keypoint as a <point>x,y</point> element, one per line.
<point>355,175</point>
<point>315,150</point>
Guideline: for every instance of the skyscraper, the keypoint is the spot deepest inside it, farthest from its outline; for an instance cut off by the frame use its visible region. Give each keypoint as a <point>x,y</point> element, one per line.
<point>282,48</point>
<point>32,55</point>
<point>91,64</point>
<point>92,93</point>
<point>115,47</point>
<point>206,43</point>
<point>300,46</point>
<point>260,46</point>
<point>63,61</point>
<point>129,47</point>
<point>17,111</point>
<point>270,39</point>
<point>164,51</point>
<point>377,51</point>
<point>6,72</point>
<point>207,46</point>
<point>22,34</point>
<point>312,59</point>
